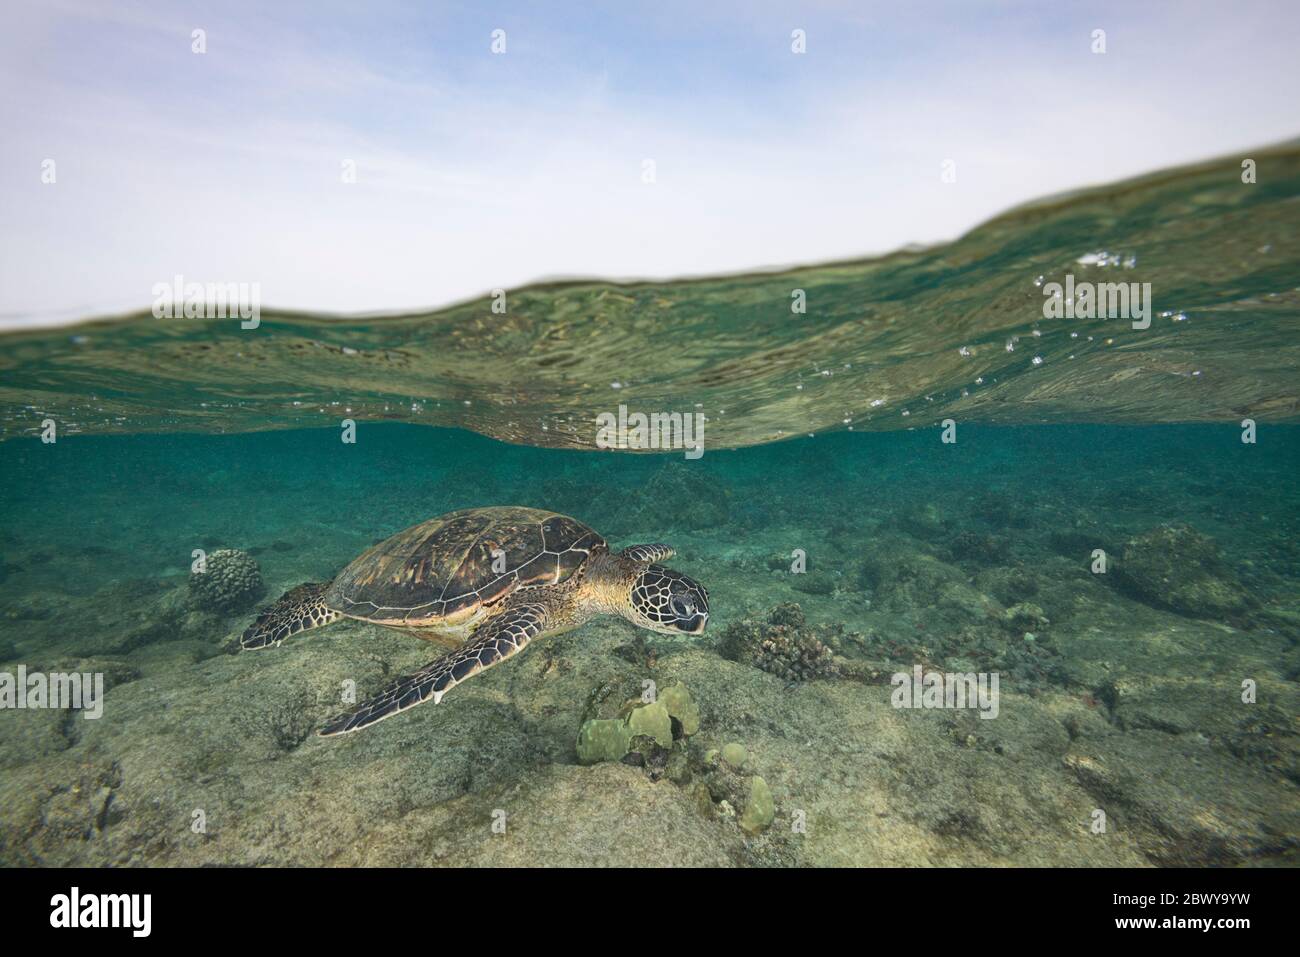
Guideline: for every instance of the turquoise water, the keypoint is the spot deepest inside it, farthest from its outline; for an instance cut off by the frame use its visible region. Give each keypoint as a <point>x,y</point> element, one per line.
<point>1119,693</point>
<point>922,475</point>
<point>138,504</point>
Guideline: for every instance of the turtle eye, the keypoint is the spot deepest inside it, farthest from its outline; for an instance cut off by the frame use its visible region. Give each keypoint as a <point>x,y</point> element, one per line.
<point>681,607</point>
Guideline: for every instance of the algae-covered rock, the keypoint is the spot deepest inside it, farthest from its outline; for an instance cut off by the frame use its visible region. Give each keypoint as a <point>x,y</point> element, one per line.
<point>1177,567</point>
<point>818,582</point>
<point>900,578</point>
<point>678,767</point>
<point>972,546</point>
<point>925,521</point>
<point>701,500</point>
<point>1025,615</point>
<point>759,809</point>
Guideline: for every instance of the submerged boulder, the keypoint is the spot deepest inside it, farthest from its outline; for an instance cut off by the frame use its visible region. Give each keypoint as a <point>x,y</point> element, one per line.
<point>699,500</point>
<point>1176,567</point>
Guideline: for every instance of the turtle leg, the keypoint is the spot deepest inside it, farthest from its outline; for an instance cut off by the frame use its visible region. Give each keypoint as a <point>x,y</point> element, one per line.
<point>297,610</point>
<point>496,640</point>
<point>658,552</point>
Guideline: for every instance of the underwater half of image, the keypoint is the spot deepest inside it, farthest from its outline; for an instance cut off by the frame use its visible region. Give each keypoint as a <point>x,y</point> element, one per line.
<point>1064,645</point>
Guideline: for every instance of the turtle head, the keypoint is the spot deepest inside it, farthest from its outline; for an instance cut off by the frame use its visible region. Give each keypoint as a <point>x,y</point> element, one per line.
<point>667,601</point>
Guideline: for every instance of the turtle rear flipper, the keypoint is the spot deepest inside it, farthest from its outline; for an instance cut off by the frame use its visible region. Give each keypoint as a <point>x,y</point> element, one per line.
<point>298,609</point>
<point>495,641</point>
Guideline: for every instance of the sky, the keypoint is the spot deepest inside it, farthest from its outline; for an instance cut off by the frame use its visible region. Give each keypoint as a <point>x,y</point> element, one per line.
<point>477,170</point>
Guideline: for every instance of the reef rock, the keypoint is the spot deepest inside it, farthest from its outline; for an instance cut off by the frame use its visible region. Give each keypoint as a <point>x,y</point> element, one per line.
<point>699,500</point>
<point>783,645</point>
<point>1177,567</point>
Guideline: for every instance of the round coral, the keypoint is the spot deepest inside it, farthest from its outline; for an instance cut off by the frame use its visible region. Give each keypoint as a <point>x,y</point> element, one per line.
<point>230,581</point>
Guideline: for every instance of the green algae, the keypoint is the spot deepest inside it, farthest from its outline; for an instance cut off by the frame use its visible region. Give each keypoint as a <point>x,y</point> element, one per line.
<point>735,754</point>
<point>681,706</point>
<point>611,739</point>
<point>651,721</point>
<point>760,809</point>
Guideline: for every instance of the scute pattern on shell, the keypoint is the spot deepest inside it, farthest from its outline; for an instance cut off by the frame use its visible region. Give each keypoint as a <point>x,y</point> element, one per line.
<point>443,568</point>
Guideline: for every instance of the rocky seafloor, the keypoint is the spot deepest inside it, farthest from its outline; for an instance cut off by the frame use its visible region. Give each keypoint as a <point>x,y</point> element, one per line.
<point>1121,691</point>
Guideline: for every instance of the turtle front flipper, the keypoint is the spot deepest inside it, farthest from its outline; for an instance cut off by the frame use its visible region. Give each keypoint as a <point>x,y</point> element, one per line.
<point>495,641</point>
<point>649,554</point>
<point>298,609</point>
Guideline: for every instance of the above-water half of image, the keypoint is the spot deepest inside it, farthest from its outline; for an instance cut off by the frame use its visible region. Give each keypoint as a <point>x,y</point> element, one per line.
<point>1167,298</point>
<point>977,554</point>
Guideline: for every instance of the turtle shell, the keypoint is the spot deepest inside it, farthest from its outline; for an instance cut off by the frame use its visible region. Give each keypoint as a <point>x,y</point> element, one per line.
<point>440,572</point>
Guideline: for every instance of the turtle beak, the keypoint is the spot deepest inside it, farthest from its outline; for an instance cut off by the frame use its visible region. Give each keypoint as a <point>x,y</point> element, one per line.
<point>695,626</point>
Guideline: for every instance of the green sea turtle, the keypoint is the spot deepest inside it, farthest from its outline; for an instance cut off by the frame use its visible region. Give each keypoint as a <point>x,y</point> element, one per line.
<point>485,582</point>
